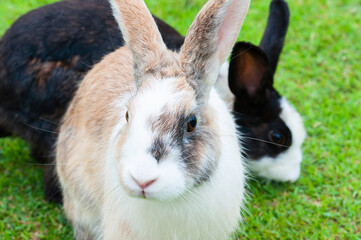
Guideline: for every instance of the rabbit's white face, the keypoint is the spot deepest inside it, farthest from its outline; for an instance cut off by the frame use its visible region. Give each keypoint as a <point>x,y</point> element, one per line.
<point>167,145</point>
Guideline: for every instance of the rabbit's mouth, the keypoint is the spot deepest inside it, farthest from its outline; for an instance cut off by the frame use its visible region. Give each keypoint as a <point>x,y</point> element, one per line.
<point>142,194</point>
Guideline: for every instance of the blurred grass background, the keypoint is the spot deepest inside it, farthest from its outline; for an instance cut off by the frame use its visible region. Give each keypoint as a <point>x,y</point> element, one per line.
<point>319,72</point>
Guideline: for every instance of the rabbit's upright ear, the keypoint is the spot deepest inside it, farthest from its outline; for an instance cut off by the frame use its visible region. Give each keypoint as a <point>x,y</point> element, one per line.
<point>276,29</point>
<point>209,41</point>
<point>140,33</point>
<point>249,73</point>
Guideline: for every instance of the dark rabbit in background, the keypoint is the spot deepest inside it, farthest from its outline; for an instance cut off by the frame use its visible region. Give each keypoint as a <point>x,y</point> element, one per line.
<point>273,130</point>
<point>48,51</point>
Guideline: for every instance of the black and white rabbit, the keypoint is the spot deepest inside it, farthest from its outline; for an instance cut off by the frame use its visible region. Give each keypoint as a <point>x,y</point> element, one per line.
<point>60,43</point>
<point>147,148</point>
<point>273,130</point>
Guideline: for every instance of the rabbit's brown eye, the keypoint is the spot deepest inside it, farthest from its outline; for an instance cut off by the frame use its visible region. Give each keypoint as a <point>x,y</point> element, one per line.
<point>191,123</point>
<point>127,116</point>
<point>277,137</point>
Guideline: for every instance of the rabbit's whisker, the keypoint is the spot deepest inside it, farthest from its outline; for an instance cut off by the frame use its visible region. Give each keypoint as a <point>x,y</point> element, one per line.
<point>41,129</point>
<point>110,36</point>
<point>44,156</point>
<point>41,164</point>
<point>48,164</point>
<point>60,209</point>
<point>47,120</point>
<point>239,114</point>
<point>256,139</point>
<point>106,195</point>
<point>240,53</point>
<point>82,62</point>
<point>261,140</point>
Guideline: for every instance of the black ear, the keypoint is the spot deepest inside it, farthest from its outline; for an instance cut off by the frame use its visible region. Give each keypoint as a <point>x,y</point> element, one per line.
<point>276,29</point>
<point>249,73</point>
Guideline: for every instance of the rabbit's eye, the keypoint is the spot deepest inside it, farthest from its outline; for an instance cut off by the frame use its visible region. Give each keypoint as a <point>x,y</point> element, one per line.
<point>127,116</point>
<point>277,137</point>
<point>191,123</point>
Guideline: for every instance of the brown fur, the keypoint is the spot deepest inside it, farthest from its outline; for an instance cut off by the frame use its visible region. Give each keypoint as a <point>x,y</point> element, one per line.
<point>195,58</point>
<point>159,149</point>
<point>118,155</point>
<point>212,42</point>
<point>251,71</point>
<point>84,122</point>
<point>142,37</point>
<point>204,145</point>
<point>108,91</point>
<point>44,69</point>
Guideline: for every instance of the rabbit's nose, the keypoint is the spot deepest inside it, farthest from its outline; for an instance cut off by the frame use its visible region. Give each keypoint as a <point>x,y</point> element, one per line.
<point>143,184</point>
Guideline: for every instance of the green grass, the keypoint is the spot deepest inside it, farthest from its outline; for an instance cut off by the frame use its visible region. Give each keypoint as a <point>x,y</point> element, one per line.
<point>319,73</point>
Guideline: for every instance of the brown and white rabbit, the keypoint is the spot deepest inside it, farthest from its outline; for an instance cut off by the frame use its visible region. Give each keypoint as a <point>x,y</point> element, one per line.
<point>147,148</point>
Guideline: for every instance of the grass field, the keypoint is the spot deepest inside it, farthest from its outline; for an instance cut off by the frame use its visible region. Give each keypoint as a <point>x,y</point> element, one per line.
<point>319,73</point>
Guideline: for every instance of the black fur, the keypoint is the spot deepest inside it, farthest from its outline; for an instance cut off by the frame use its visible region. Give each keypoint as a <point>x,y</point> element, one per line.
<point>158,149</point>
<point>4,133</point>
<point>275,33</point>
<point>257,106</point>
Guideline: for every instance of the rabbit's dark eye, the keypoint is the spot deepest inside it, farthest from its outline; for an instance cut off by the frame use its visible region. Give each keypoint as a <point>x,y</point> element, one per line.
<point>127,116</point>
<point>191,123</point>
<point>277,137</point>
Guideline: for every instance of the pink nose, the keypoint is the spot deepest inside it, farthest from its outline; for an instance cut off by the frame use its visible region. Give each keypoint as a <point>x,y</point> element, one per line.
<point>144,184</point>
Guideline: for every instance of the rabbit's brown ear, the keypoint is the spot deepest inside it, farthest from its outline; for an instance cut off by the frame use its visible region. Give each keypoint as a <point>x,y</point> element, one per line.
<point>249,73</point>
<point>140,33</point>
<point>209,41</point>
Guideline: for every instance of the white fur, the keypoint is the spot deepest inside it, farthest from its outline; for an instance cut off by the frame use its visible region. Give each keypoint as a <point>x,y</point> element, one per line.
<point>287,165</point>
<point>138,163</point>
<point>211,211</point>
<point>222,86</point>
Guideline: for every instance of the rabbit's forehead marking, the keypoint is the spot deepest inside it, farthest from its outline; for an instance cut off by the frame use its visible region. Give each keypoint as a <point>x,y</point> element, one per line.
<point>167,120</point>
<point>167,129</point>
<point>157,95</point>
<point>159,108</point>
